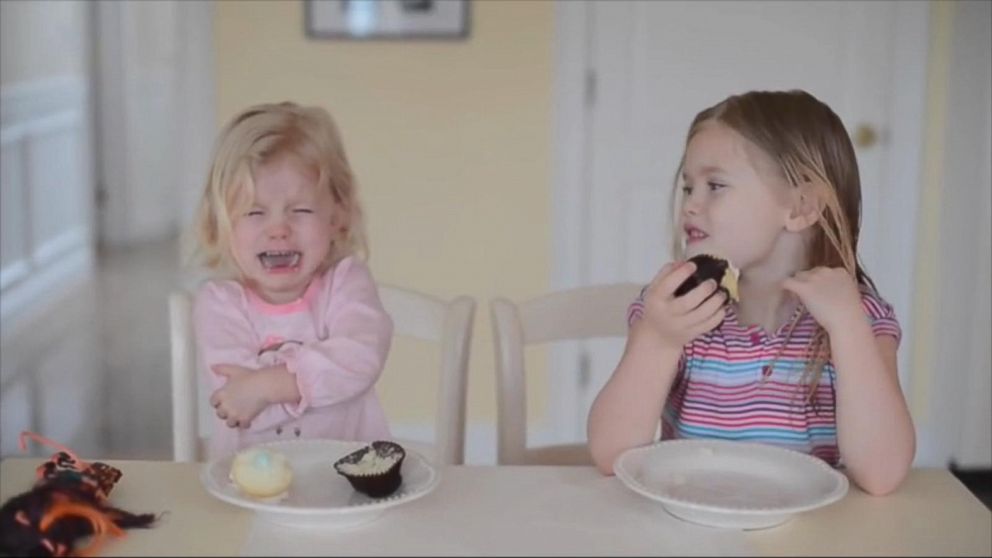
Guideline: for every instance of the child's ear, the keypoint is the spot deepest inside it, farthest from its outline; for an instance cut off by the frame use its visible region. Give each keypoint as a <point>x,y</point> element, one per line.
<point>340,219</point>
<point>807,206</point>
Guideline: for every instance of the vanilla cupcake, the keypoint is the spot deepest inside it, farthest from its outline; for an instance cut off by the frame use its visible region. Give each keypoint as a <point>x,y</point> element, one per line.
<point>374,469</point>
<point>262,474</point>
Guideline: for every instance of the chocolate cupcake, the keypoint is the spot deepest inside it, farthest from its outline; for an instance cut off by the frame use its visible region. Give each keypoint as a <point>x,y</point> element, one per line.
<point>374,469</point>
<point>712,267</point>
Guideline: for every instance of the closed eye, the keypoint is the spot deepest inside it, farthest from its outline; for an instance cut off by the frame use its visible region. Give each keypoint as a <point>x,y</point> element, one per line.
<point>254,213</point>
<point>302,210</point>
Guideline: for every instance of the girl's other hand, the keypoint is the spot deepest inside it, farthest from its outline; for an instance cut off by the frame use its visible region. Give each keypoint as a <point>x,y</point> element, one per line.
<point>241,398</point>
<point>678,320</point>
<point>830,294</point>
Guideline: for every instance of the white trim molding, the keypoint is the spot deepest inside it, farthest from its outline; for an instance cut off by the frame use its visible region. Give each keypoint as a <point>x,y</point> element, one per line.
<point>573,88</point>
<point>61,275</point>
<point>898,218</point>
<point>47,214</point>
<point>28,101</point>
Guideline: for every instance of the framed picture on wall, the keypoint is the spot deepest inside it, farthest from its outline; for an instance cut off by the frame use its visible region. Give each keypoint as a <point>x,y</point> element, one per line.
<point>387,19</point>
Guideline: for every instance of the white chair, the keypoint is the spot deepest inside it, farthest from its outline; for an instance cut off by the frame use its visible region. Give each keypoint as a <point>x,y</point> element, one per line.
<point>414,314</point>
<point>581,313</point>
<point>448,323</point>
<point>187,444</point>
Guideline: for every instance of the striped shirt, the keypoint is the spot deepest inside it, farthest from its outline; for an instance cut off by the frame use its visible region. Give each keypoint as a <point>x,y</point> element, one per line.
<point>725,387</point>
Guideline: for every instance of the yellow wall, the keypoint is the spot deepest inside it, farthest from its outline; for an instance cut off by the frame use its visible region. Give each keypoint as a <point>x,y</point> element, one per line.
<point>451,143</point>
<point>42,39</point>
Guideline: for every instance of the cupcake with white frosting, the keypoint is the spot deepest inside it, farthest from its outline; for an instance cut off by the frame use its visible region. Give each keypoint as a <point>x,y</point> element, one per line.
<point>374,469</point>
<point>262,474</point>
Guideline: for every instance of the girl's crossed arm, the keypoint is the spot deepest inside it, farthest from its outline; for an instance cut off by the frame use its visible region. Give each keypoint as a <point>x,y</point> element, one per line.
<point>340,367</point>
<point>242,394</point>
<point>349,361</point>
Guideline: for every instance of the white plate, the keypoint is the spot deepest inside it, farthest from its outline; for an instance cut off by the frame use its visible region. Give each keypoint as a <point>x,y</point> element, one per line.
<point>730,484</point>
<point>319,496</point>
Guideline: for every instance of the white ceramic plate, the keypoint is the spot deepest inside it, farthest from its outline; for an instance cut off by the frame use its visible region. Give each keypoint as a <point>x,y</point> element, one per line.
<point>319,496</point>
<point>730,484</point>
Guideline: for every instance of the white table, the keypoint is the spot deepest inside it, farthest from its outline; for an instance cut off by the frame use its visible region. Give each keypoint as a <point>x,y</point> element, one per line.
<point>538,511</point>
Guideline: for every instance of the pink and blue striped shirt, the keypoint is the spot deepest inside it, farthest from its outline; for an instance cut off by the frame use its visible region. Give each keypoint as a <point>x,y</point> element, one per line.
<point>726,387</point>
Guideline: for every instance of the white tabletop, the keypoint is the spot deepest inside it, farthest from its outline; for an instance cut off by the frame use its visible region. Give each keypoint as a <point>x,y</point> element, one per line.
<point>537,511</point>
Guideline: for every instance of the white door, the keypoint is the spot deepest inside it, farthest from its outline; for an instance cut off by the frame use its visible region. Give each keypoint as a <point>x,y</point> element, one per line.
<point>631,77</point>
<point>155,115</point>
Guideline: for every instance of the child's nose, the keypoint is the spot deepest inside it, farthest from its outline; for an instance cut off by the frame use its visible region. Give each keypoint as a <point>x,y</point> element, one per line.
<point>279,229</point>
<point>691,205</point>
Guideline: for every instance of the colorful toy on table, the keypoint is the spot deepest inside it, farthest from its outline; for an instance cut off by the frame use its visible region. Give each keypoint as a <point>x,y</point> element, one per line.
<point>69,501</point>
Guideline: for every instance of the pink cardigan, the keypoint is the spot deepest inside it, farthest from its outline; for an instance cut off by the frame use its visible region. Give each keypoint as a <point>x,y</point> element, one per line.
<point>334,339</point>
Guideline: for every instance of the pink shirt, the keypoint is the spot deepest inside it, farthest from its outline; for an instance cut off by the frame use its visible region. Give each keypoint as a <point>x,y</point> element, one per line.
<point>334,339</point>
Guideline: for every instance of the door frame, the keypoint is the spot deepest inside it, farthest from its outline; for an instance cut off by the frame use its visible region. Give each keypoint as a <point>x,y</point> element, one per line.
<point>574,89</point>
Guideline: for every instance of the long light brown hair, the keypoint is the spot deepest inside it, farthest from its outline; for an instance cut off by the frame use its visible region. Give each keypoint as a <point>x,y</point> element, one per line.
<point>811,147</point>
<point>258,135</point>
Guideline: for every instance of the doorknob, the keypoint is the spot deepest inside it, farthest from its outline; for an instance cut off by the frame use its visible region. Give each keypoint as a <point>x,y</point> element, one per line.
<point>865,136</point>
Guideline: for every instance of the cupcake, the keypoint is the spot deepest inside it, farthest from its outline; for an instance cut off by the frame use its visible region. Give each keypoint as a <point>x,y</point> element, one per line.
<point>716,268</point>
<point>261,473</point>
<point>374,469</point>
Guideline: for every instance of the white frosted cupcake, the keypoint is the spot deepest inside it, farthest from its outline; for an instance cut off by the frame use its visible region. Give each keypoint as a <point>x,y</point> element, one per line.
<point>261,473</point>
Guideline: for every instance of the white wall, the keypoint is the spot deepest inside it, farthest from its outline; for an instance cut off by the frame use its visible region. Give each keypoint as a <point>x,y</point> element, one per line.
<point>39,40</point>
<point>115,94</point>
<point>955,371</point>
<point>137,115</point>
<point>46,207</point>
<point>197,97</point>
<point>46,226</point>
<point>155,115</point>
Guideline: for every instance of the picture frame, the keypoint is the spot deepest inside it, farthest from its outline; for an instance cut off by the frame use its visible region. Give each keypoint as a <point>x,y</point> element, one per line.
<point>387,19</point>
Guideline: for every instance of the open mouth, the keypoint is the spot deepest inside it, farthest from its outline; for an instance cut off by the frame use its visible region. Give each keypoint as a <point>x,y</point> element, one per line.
<point>693,234</point>
<point>280,259</point>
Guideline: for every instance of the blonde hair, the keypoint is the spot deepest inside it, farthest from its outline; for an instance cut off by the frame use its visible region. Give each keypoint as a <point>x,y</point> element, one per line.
<point>259,135</point>
<point>810,145</point>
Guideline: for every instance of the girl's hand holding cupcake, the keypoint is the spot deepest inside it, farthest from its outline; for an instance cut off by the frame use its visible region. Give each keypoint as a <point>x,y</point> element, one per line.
<point>676,320</point>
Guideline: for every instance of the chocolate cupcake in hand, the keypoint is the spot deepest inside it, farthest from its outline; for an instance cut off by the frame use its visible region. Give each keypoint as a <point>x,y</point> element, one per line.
<point>716,268</point>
